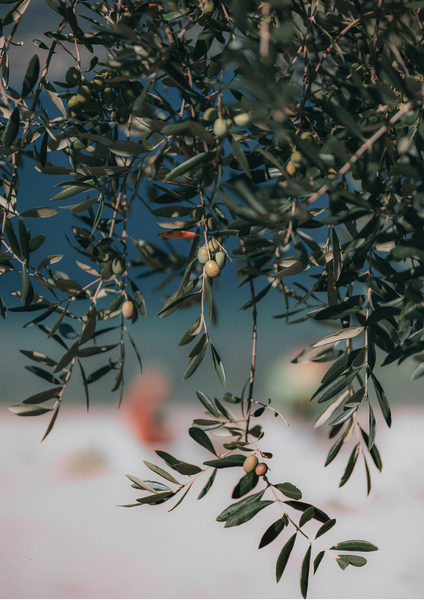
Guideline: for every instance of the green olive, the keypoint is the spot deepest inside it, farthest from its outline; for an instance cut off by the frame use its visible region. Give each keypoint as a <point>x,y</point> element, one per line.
<point>203,254</point>
<point>221,127</point>
<point>97,84</point>
<point>212,269</point>
<point>107,96</point>
<point>211,224</point>
<point>73,76</point>
<point>84,94</point>
<point>213,245</point>
<point>73,102</point>
<point>196,214</point>
<point>128,310</point>
<point>290,168</point>
<point>220,259</point>
<point>119,265</point>
<point>250,463</point>
<point>210,114</point>
<point>242,119</point>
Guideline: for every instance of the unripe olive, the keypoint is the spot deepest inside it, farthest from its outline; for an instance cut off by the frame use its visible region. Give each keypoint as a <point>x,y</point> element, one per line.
<point>129,96</point>
<point>213,245</point>
<point>83,93</point>
<point>123,114</point>
<point>296,158</point>
<point>208,7</point>
<point>128,310</point>
<point>74,112</point>
<point>221,127</point>
<point>196,214</point>
<point>211,224</point>
<point>210,114</point>
<point>107,96</point>
<point>212,269</point>
<point>203,254</point>
<point>97,84</point>
<point>261,469</point>
<point>73,102</point>
<point>332,174</point>
<point>220,259</point>
<point>250,463</point>
<point>242,119</point>
<point>119,265</point>
<point>73,76</point>
<point>290,168</point>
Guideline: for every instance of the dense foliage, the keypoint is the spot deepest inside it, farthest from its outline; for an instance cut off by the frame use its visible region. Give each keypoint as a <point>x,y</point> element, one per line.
<point>287,131</point>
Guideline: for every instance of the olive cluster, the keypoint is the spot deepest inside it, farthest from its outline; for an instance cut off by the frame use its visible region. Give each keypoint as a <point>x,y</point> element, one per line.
<point>100,93</point>
<point>223,124</point>
<point>212,257</point>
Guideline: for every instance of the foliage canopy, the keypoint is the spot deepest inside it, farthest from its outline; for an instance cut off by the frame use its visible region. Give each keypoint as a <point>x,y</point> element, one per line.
<point>284,135</point>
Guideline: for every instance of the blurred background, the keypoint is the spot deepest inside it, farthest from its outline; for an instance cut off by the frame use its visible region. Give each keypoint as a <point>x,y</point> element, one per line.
<point>64,535</point>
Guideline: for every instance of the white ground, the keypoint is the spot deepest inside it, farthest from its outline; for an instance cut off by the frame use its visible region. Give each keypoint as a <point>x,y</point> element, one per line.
<point>64,537</point>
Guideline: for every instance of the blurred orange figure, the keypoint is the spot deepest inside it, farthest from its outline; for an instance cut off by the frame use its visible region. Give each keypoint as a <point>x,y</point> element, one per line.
<point>142,407</point>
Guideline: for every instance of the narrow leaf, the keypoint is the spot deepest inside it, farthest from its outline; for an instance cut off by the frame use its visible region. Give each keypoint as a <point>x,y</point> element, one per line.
<point>272,532</point>
<point>219,367</point>
<point>284,557</point>
<point>201,438</point>
<point>355,546</point>
<point>208,485</point>
<point>326,527</point>
<point>304,572</point>
<point>161,472</point>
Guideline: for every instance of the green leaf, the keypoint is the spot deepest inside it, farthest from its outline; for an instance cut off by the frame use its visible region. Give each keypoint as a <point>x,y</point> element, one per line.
<point>375,455</point>
<point>247,512</point>
<point>319,515</point>
<point>225,514</point>
<point>99,373</point>
<point>246,484</point>
<point>337,386</point>
<point>219,367</point>
<point>343,334</point>
<point>241,157</point>
<point>208,485</point>
<point>194,162</point>
<point>154,498</point>
<point>342,562</point>
<point>89,327</point>
<point>344,416</point>
<point>12,129</point>
<point>233,460</point>
<point>307,516</point>
<point>182,497</point>
<point>140,484</point>
<point>11,238</point>
<point>330,409</point>
<point>3,309</point>
<point>43,374</point>
<point>138,299</point>
<point>290,490</point>
<point>284,557</point>
<point>168,458</point>
<point>304,572</point>
<point>382,400</point>
<point>41,212</point>
<point>350,465</point>
<point>23,240</point>
<point>28,410</point>
<point>194,363</point>
<point>67,357</point>
<point>326,527</point>
<point>355,546</point>
<point>334,450</point>
<point>318,560</point>
<point>272,532</point>
<point>201,438</point>
<point>372,427</point>
<point>39,357</point>
<point>187,469</point>
<point>161,472</point>
<point>31,75</point>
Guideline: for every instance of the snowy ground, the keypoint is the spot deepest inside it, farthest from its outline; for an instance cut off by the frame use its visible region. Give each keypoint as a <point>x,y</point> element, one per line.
<point>64,537</point>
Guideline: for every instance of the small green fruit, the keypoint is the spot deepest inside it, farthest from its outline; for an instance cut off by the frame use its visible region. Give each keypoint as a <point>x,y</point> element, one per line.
<point>221,127</point>
<point>196,214</point>
<point>97,84</point>
<point>73,76</point>
<point>220,259</point>
<point>290,168</point>
<point>332,174</point>
<point>250,463</point>
<point>203,254</point>
<point>213,245</point>
<point>212,269</point>
<point>119,265</point>
<point>210,114</point>
<point>242,119</point>
<point>73,102</point>
<point>128,310</point>
<point>129,96</point>
<point>296,158</point>
<point>261,469</point>
<point>84,94</point>
<point>211,224</point>
<point>107,96</point>
<point>123,115</point>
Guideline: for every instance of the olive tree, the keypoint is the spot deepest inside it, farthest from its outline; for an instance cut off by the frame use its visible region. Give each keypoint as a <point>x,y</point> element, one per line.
<point>280,140</point>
